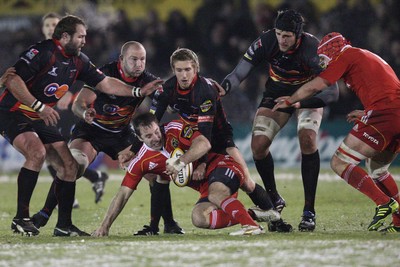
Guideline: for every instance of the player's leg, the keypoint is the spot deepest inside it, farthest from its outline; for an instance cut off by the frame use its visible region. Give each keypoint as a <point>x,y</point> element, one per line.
<point>31,147</point>
<point>378,170</point>
<point>309,121</point>
<point>208,216</point>
<point>344,163</point>
<point>223,183</point>
<point>65,184</point>
<point>265,127</point>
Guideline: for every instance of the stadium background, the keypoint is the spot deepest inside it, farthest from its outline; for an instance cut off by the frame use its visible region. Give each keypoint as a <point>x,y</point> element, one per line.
<point>220,32</point>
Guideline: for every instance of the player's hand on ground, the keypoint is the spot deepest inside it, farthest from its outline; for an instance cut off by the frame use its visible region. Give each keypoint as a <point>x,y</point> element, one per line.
<point>49,116</point>
<point>64,101</point>
<point>89,115</point>
<point>124,157</point>
<point>150,87</point>
<point>100,232</point>
<point>200,172</point>
<point>8,73</point>
<point>355,115</point>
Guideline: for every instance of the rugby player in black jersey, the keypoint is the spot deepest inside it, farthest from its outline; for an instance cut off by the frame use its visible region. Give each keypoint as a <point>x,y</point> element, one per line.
<point>292,57</point>
<point>196,100</point>
<point>44,73</point>
<point>68,119</point>
<point>104,126</point>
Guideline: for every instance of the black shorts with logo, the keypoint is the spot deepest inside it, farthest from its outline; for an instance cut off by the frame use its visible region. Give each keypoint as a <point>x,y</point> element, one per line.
<point>15,123</point>
<point>103,141</point>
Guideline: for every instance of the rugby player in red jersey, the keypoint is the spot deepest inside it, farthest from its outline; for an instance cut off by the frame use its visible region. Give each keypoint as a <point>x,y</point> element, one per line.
<point>375,136</point>
<point>218,206</point>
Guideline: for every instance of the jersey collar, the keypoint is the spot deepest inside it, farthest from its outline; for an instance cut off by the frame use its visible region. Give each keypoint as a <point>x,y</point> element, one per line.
<point>186,91</point>
<point>124,77</point>
<point>61,48</point>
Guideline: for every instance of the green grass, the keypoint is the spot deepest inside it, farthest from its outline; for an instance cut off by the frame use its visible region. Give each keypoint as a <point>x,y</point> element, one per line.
<point>341,238</point>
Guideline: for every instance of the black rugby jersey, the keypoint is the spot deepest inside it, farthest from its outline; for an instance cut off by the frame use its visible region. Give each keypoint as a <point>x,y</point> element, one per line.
<point>48,74</point>
<point>200,105</point>
<point>289,70</point>
<point>114,113</point>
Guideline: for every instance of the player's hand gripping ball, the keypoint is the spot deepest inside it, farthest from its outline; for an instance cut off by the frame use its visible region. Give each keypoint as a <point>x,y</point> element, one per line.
<point>185,173</point>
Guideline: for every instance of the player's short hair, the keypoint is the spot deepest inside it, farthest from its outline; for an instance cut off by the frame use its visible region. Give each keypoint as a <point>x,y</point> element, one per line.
<point>129,44</point>
<point>184,54</point>
<point>67,24</point>
<point>143,120</point>
<point>291,21</point>
<point>50,15</point>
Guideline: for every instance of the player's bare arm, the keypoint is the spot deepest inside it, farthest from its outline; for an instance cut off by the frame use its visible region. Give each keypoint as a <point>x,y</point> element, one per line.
<point>199,147</point>
<point>8,73</point>
<point>113,86</point>
<point>80,106</point>
<point>307,90</point>
<point>19,90</point>
<point>64,101</point>
<point>115,208</point>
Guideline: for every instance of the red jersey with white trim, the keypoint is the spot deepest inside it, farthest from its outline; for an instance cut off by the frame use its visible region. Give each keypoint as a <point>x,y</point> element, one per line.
<point>48,74</point>
<point>368,75</point>
<point>148,160</point>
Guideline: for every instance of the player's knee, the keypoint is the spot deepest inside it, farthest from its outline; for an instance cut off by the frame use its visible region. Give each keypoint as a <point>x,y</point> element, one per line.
<point>37,157</point>
<point>82,161</point>
<point>307,141</point>
<point>266,127</point>
<point>376,169</point>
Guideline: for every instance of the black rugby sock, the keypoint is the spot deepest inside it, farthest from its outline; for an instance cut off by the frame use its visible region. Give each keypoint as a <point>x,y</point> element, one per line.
<point>167,214</point>
<point>65,193</point>
<point>27,180</point>
<point>91,175</point>
<point>261,198</point>
<point>155,206</point>
<point>265,168</point>
<point>310,165</point>
<point>51,200</point>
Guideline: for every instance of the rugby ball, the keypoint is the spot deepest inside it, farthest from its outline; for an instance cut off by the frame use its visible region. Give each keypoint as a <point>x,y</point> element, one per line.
<point>185,175</point>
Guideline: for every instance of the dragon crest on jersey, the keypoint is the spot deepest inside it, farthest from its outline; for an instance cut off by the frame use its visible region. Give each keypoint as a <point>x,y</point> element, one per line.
<point>187,132</point>
<point>206,105</point>
<point>174,142</point>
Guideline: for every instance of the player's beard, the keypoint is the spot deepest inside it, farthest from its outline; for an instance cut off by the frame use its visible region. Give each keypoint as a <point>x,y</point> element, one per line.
<point>71,49</point>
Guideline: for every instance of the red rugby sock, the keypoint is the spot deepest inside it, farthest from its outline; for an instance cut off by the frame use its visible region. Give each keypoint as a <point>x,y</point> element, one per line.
<point>237,211</point>
<point>360,180</point>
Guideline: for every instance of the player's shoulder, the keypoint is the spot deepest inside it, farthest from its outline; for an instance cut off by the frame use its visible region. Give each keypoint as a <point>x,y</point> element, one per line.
<point>40,49</point>
<point>170,84</point>
<point>147,76</point>
<point>110,69</point>
<point>174,125</point>
<point>205,85</point>
<point>307,39</point>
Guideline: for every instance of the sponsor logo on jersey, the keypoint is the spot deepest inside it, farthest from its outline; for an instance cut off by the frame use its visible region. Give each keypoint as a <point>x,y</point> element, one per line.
<point>31,53</point>
<point>206,106</point>
<point>370,138</point>
<point>187,132</point>
<point>54,89</point>
<point>110,109</point>
<point>152,165</point>
<point>53,71</point>
<point>174,142</point>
